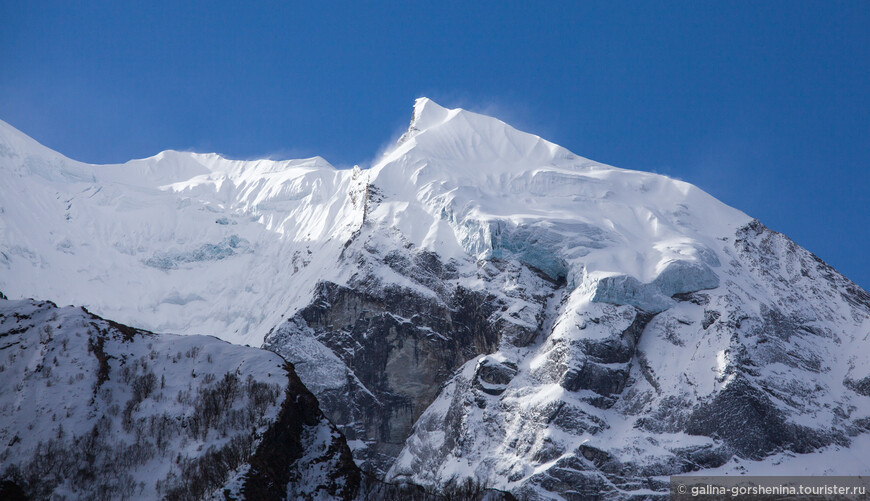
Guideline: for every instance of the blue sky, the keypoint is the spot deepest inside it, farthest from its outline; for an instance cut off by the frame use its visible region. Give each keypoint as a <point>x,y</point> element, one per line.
<point>766,105</point>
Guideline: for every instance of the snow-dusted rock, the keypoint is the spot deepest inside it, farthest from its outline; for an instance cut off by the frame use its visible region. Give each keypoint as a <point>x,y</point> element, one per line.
<point>92,409</point>
<point>616,398</point>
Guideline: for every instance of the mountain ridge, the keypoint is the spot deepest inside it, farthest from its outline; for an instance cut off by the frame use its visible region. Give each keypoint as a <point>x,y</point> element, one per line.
<point>312,203</point>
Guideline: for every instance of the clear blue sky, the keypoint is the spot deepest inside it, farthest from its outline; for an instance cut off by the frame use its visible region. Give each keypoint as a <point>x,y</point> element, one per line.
<point>766,105</point>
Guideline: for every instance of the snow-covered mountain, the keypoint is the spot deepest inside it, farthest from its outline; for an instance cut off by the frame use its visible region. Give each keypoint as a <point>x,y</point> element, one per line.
<point>193,243</point>
<point>479,303</point>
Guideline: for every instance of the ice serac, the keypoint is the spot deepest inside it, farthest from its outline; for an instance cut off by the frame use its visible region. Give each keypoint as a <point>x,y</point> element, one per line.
<point>479,307</point>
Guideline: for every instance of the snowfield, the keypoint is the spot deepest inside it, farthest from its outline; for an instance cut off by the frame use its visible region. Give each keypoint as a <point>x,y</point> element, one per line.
<point>196,243</point>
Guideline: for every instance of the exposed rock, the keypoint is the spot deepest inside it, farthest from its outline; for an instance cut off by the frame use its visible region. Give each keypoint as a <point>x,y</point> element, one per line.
<point>742,369</point>
<point>377,354</point>
<point>747,421</point>
<point>860,386</point>
<point>397,349</point>
<point>493,375</point>
<point>302,455</point>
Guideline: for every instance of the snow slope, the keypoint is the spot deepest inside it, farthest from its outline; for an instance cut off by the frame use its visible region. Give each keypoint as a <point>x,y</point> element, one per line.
<point>76,386</point>
<point>495,191</point>
<point>192,243</point>
<point>178,242</point>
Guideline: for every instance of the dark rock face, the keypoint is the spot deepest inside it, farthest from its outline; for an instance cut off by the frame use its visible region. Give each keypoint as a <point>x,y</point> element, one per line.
<point>860,386</point>
<point>606,362</point>
<point>377,350</point>
<point>571,478</point>
<point>302,455</point>
<point>492,375</point>
<point>398,348</point>
<point>600,379</point>
<point>9,490</point>
<point>751,425</point>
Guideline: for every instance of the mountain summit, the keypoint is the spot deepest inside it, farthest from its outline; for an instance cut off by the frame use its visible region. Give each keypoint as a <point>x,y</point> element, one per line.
<point>480,304</point>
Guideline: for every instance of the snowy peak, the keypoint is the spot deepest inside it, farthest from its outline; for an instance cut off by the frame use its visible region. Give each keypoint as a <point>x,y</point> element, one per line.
<point>209,244</point>
<point>460,136</point>
<point>428,113</point>
<point>172,167</point>
<point>22,157</point>
<point>465,184</point>
<point>203,231</point>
